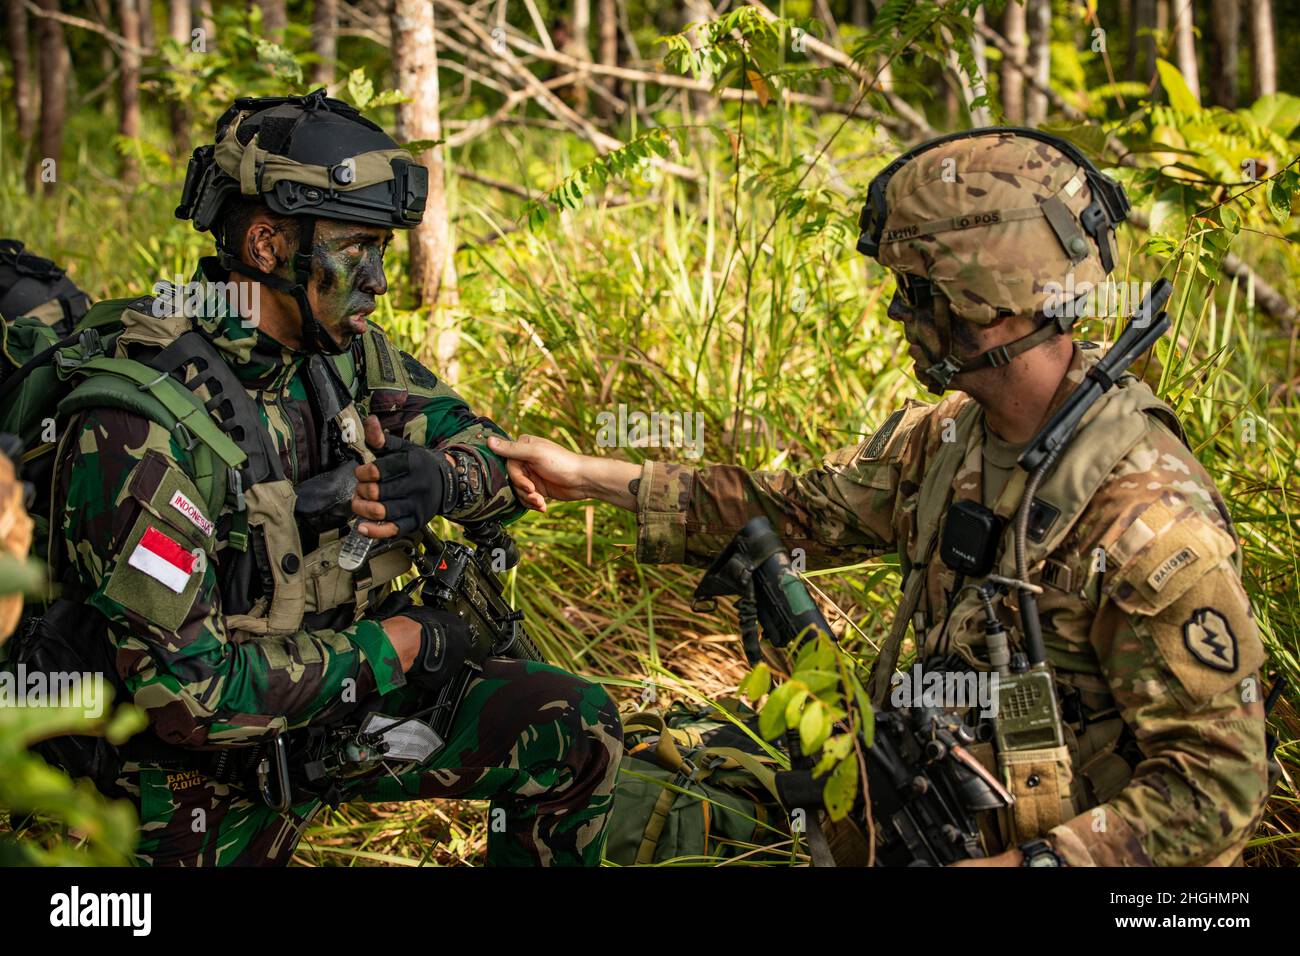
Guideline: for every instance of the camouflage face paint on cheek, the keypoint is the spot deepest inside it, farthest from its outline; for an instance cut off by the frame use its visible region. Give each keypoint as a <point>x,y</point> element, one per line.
<point>345,287</point>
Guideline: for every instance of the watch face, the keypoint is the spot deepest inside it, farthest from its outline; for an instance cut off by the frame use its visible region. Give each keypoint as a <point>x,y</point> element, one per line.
<point>1043,858</point>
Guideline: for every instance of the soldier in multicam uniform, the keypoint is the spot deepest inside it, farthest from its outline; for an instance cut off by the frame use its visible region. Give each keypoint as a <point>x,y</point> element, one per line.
<point>265,634</point>
<point>1148,629</point>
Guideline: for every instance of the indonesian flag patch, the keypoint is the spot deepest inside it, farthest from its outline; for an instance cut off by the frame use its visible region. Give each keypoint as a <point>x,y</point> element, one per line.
<point>163,560</point>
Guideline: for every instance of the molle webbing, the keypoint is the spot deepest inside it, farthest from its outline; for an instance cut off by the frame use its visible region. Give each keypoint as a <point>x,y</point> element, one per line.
<point>229,405</point>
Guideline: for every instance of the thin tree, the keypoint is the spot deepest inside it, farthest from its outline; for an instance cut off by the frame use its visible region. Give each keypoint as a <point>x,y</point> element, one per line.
<point>1012,81</point>
<point>274,18</point>
<point>25,91</point>
<point>324,40</point>
<point>179,24</point>
<point>54,67</point>
<point>128,85</point>
<point>607,29</point>
<point>1225,29</point>
<point>415,59</point>
<point>1185,45</point>
<point>1038,23</point>
<point>1263,54</point>
<point>147,38</point>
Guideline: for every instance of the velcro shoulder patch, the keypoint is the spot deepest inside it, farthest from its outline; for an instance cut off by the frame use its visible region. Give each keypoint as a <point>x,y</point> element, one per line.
<point>890,438</point>
<point>168,495</point>
<point>157,574</point>
<point>1166,550</point>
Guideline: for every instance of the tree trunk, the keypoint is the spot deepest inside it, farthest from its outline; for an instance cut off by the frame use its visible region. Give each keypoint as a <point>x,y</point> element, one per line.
<point>1142,46</point>
<point>54,63</point>
<point>607,30</point>
<point>324,40</point>
<point>578,46</point>
<point>178,29</point>
<point>147,38</point>
<point>128,121</point>
<point>1263,53</point>
<point>433,274</point>
<point>1038,23</point>
<point>201,17</point>
<point>25,92</point>
<point>1225,26</point>
<point>1012,81</point>
<point>1185,45</point>
<point>979,84</point>
<point>274,18</point>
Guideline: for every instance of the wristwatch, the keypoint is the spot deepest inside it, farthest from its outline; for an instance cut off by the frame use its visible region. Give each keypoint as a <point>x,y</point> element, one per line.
<point>1039,852</point>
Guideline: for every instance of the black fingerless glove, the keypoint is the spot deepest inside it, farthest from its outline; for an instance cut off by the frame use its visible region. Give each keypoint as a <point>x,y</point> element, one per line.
<point>415,484</point>
<point>445,644</point>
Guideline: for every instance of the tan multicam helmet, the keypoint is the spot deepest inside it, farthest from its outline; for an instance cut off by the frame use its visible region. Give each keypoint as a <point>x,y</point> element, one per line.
<point>990,216</point>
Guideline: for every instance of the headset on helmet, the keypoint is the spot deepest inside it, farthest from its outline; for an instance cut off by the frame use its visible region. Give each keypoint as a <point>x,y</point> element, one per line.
<point>308,157</point>
<point>1107,208</point>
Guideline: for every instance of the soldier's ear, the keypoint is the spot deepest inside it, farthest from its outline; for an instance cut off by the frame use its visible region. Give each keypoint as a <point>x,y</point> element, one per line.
<point>263,245</point>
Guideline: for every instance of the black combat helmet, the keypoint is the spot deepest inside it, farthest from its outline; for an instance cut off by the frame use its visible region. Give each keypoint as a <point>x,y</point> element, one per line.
<point>30,285</point>
<point>308,157</point>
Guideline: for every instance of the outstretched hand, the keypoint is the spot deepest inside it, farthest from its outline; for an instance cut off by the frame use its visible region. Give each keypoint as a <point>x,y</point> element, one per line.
<point>540,470</point>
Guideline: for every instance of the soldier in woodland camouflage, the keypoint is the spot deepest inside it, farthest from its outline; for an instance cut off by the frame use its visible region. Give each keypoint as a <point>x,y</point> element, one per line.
<point>265,634</point>
<point>1148,629</point>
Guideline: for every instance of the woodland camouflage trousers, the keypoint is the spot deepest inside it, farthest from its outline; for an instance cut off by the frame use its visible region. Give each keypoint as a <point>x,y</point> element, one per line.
<point>541,744</point>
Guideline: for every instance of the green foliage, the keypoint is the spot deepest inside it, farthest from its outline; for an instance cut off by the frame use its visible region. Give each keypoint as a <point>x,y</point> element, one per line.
<point>826,704</point>
<point>71,824</point>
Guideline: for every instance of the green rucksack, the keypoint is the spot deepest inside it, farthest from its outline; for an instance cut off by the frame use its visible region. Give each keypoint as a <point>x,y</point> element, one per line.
<point>694,788</point>
<point>45,381</point>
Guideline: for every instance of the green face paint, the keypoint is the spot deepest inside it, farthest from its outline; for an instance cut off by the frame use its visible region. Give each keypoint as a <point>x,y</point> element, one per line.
<point>347,276</point>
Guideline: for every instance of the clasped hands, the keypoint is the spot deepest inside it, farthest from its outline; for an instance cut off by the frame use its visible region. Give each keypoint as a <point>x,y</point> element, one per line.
<point>402,490</point>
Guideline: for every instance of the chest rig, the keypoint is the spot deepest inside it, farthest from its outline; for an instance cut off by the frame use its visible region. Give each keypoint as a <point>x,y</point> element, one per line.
<point>1055,781</point>
<point>258,527</point>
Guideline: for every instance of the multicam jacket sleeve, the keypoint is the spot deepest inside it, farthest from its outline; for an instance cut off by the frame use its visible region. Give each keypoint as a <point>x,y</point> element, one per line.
<point>430,412</point>
<point>1177,644</point>
<point>133,551</point>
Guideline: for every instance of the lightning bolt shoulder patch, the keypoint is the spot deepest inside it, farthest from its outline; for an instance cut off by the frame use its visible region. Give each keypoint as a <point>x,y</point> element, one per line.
<point>1209,637</point>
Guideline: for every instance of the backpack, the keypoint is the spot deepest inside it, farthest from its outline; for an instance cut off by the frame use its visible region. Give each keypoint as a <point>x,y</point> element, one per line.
<point>695,788</point>
<point>47,380</point>
<point>30,285</point>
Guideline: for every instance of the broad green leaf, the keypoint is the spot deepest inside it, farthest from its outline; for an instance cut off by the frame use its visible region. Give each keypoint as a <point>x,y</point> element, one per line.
<point>771,719</point>
<point>814,727</point>
<point>1180,95</point>
<point>757,682</point>
<point>1279,201</point>
<point>842,789</point>
<point>1280,112</point>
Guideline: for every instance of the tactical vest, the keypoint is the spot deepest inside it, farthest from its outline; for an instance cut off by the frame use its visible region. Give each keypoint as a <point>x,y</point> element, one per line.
<point>259,499</point>
<point>1054,784</point>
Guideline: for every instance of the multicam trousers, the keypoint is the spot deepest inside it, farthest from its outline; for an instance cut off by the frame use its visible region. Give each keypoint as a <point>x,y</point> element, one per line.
<point>541,744</point>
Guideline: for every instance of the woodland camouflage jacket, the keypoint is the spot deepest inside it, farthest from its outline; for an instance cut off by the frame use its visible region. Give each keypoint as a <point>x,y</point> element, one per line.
<point>1146,622</point>
<point>122,478</point>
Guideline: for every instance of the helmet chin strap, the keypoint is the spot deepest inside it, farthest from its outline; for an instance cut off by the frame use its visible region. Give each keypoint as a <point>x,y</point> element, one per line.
<point>314,336</point>
<point>938,376</point>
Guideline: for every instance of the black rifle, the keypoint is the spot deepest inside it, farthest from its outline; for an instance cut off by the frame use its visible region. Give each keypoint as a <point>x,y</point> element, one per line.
<point>926,787</point>
<point>451,576</point>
